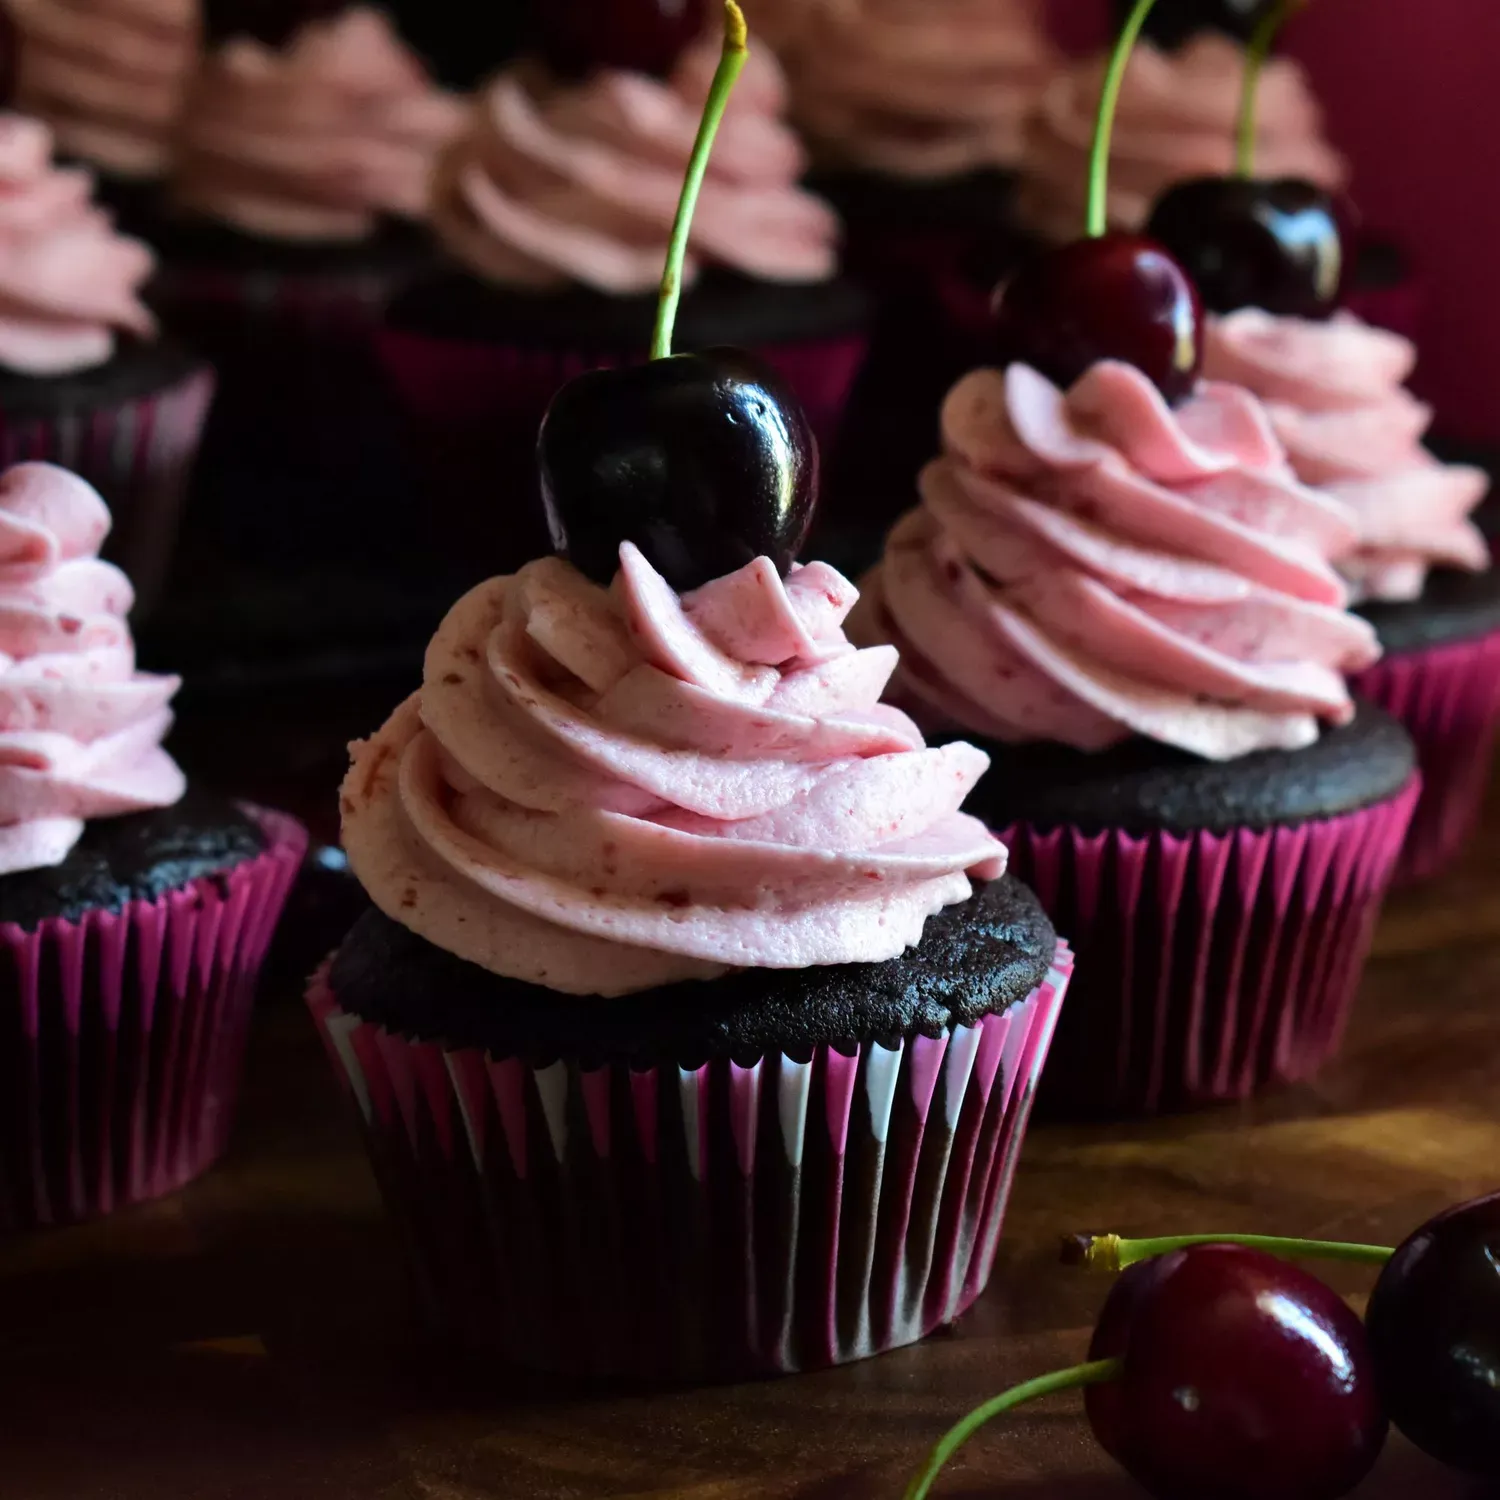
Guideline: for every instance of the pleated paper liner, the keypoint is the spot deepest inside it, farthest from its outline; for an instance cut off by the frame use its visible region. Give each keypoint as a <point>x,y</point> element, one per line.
<point>138,454</point>
<point>122,1035</point>
<point>708,1223</point>
<point>1211,967</point>
<point>1448,697</point>
<point>474,409</point>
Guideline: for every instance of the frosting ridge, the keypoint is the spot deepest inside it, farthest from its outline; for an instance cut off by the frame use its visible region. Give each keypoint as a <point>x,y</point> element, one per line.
<point>109,76</point>
<point>80,729</point>
<point>601,791</point>
<point>1090,564</point>
<point>1336,396</point>
<point>1176,120</point>
<point>68,280</point>
<point>558,182</point>
<point>315,142</point>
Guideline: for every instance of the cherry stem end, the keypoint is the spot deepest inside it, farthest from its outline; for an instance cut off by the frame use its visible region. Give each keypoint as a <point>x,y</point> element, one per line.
<point>1112,1254</point>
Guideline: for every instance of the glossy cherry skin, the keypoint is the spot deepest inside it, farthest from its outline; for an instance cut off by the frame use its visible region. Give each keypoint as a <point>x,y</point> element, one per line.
<point>1434,1326</point>
<point>1120,296</point>
<point>1244,1379</point>
<point>639,36</point>
<point>1273,245</point>
<point>705,461</point>
<point>1172,22</point>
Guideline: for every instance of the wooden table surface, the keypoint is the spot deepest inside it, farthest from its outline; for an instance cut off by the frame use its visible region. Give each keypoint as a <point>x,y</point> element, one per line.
<point>249,1339</point>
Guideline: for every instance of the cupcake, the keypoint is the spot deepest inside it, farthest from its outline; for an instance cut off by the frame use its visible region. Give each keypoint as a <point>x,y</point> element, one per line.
<point>914,111</point>
<point>1335,393</point>
<point>133,913</point>
<point>84,379</point>
<point>298,186</point>
<point>695,1031</point>
<point>555,208</point>
<point>1135,608</point>
<point>109,77</point>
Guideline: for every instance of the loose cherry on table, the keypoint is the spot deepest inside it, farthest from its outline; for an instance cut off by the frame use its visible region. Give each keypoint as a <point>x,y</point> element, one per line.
<point>1242,1377</point>
<point>705,461</point>
<point>1434,1323</point>
<point>1105,296</point>
<point>641,36</point>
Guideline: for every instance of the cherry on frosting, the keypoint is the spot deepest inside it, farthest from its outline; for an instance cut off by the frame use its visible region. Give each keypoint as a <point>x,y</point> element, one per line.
<point>704,461</point>
<point>638,36</point>
<point>1106,296</point>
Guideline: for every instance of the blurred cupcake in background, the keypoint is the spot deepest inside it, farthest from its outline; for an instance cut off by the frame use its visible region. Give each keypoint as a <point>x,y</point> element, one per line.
<point>1176,120</point>
<point>1335,392</point>
<point>85,381</point>
<point>134,913</point>
<point>555,208</point>
<point>110,78</point>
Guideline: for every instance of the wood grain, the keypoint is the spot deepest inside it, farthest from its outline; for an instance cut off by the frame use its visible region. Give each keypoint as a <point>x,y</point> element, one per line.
<point>250,1339</point>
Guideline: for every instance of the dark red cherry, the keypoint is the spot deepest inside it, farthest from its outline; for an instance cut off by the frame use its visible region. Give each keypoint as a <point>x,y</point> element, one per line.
<point>1273,245</point>
<point>705,461</point>
<point>1172,22</point>
<point>1120,296</point>
<point>641,36</point>
<point>1434,1326</point>
<point>1243,1378</point>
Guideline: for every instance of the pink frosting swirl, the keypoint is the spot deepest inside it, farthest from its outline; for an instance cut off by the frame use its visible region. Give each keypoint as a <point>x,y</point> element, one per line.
<point>1176,120</point>
<point>915,88</point>
<point>559,183</point>
<point>68,281</point>
<point>80,728</point>
<point>600,791</point>
<point>318,141</point>
<point>109,76</point>
<point>1336,396</point>
<point>1090,565</point>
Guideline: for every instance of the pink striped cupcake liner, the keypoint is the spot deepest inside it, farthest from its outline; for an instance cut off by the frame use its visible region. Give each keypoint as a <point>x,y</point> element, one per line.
<point>715,1222</point>
<point>1448,697</point>
<point>138,454</point>
<point>1212,967</point>
<point>122,1035</point>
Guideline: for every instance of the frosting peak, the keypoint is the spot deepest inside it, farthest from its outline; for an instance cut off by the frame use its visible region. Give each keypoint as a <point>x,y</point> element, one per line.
<point>318,141</point>
<point>68,280</point>
<point>601,791</point>
<point>80,728</point>
<point>1335,395</point>
<point>916,88</point>
<point>558,182</point>
<point>108,75</point>
<point>1089,564</point>
<point>1176,120</point>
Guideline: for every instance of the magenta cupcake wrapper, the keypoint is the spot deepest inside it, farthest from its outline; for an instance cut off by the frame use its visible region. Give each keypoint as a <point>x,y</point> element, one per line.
<point>716,1222</point>
<point>1448,697</point>
<point>1211,967</point>
<point>474,410</point>
<point>122,1035</point>
<point>139,455</point>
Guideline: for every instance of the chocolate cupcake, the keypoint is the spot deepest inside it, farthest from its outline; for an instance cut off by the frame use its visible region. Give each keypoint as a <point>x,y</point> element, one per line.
<point>84,379</point>
<point>555,209</point>
<point>697,1029</point>
<point>133,917</point>
<point>1136,608</point>
<point>1420,568</point>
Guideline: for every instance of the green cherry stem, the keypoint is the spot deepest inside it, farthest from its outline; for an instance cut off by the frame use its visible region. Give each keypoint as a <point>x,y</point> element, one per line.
<point>1097,1373</point>
<point>1108,1252</point>
<point>1262,39</point>
<point>731,61</point>
<point>1104,121</point>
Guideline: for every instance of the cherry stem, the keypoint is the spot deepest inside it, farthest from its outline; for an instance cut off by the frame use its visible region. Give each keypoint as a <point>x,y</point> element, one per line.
<point>731,61</point>
<point>1108,1252</point>
<point>1104,121</point>
<point>1097,1373</point>
<point>1261,41</point>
